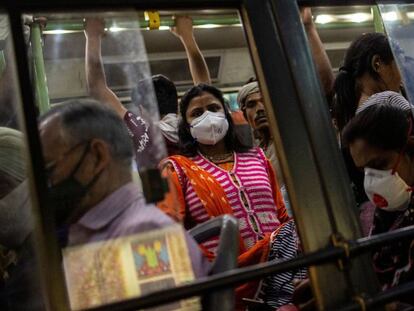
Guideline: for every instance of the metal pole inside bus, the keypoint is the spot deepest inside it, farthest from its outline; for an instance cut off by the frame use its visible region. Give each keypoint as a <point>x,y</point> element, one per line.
<point>39,72</point>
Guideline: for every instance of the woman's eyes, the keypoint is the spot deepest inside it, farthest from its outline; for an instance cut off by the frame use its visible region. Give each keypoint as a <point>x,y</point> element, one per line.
<point>196,113</point>
<point>214,108</point>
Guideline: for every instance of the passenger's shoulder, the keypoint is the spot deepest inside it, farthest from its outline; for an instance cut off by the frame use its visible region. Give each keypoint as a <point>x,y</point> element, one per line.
<point>252,152</point>
<point>144,217</point>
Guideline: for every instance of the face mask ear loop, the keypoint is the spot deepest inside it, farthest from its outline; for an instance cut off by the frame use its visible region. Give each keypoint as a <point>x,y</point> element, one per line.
<point>400,155</point>
<point>77,166</point>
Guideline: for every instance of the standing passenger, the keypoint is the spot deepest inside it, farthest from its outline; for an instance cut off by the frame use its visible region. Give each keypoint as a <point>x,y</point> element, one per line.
<point>167,98</point>
<point>381,142</point>
<point>251,102</point>
<point>368,68</point>
<point>139,126</point>
<point>219,176</point>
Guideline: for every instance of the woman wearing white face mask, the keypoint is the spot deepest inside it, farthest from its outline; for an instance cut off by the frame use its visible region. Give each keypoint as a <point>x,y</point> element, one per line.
<point>380,141</point>
<point>218,175</point>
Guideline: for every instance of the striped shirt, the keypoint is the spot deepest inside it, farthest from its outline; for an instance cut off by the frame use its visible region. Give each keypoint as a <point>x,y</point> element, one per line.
<point>248,189</point>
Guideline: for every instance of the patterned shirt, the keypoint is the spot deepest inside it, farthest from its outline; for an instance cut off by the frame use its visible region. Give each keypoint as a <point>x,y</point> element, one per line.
<point>149,144</point>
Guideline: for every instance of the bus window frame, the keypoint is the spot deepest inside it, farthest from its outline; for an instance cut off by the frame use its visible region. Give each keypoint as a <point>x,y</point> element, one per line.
<point>268,30</point>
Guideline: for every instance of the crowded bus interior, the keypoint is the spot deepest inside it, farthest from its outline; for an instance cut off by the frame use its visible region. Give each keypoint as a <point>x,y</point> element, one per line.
<point>216,155</point>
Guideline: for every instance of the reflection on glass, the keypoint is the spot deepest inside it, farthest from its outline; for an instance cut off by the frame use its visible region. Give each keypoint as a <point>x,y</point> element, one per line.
<point>19,283</point>
<point>115,60</point>
<point>128,267</point>
<point>104,119</point>
<point>93,142</point>
<point>399,25</point>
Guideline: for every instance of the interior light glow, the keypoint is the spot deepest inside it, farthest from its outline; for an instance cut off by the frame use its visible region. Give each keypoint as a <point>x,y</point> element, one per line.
<point>410,15</point>
<point>116,29</point>
<point>324,19</point>
<point>390,16</point>
<point>359,17</point>
<point>209,26</point>
<point>164,28</point>
<point>59,31</point>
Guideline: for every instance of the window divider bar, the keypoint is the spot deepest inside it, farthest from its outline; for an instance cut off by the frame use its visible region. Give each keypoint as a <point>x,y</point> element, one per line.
<point>47,250</point>
<point>381,298</point>
<point>241,275</point>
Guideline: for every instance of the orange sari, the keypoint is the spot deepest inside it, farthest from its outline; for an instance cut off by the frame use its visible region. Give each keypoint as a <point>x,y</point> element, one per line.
<point>214,200</point>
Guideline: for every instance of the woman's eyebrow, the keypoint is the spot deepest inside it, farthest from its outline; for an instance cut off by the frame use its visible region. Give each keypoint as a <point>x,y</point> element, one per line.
<point>213,104</point>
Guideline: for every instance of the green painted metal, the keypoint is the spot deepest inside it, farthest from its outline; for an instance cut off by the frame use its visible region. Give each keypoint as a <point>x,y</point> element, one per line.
<point>2,62</point>
<point>40,82</point>
<point>222,20</point>
<point>378,24</point>
<point>71,25</point>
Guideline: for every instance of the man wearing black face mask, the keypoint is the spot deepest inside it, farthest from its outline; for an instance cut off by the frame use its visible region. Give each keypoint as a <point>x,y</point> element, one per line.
<point>88,155</point>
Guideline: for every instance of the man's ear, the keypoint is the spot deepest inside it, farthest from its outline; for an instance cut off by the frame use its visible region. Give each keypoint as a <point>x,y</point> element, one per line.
<point>102,155</point>
<point>376,63</point>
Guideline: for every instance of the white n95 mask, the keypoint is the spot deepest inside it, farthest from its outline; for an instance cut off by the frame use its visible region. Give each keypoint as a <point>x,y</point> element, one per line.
<point>209,128</point>
<point>387,190</point>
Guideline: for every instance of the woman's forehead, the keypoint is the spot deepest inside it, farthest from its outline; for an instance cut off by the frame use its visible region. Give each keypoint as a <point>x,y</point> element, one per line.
<point>202,100</point>
<point>363,153</point>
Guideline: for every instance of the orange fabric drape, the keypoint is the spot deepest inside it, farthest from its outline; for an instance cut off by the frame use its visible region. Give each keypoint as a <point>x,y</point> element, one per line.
<point>175,206</point>
<point>208,190</point>
<point>216,204</point>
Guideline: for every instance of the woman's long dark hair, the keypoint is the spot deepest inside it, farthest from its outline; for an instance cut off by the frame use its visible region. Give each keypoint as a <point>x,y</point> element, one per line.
<point>187,143</point>
<point>357,62</point>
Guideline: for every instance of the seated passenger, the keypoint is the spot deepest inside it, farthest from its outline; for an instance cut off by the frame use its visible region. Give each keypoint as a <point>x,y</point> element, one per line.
<point>140,126</point>
<point>218,176</point>
<point>88,158</point>
<point>380,139</point>
<point>19,288</point>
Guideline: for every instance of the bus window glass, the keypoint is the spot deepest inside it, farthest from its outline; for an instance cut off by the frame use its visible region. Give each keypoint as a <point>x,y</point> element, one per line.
<point>102,144</point>
<point>399,24</point>
<point>20,287</point>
